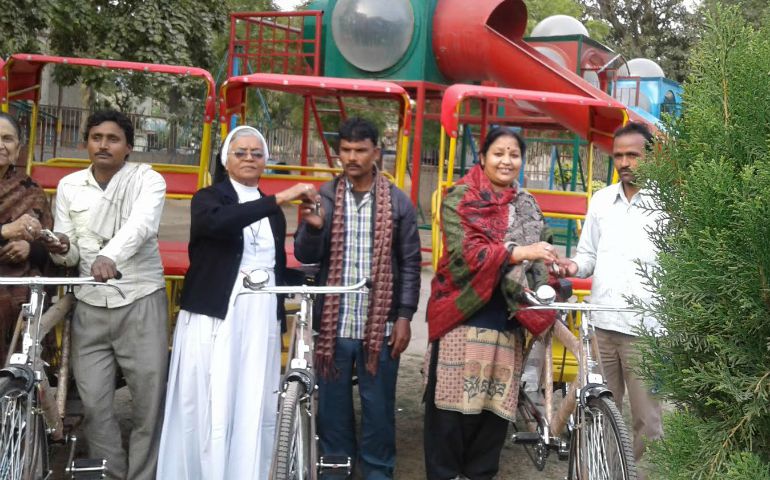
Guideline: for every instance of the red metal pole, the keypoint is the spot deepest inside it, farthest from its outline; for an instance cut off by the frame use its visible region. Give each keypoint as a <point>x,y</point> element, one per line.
<point>230,49</point>
<point>305,132</point>
<point>317,50</point>
<point>484,120</point>
<point>417,142</point>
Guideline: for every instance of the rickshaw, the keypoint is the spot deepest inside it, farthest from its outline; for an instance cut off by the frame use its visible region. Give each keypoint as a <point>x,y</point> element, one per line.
<point>232,101</point>
<point>22,81</point>
<point>524,108</point>
<point>296,454</point>
<point>565,360</point>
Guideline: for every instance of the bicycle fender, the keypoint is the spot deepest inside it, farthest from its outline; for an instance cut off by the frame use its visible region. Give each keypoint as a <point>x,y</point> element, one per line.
<point>300,375</point>
<point>594,390</point>
<point>21,372</point>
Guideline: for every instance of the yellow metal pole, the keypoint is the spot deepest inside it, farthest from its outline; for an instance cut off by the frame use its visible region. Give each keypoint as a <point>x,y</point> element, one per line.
<point>590,186</point>
<point>205,155</point>
<point>435,233</point>
<point>32,138</point>
<point>441,158</point>
<point>402,149</point>
<point>450,169</point>
<point>5,101</point>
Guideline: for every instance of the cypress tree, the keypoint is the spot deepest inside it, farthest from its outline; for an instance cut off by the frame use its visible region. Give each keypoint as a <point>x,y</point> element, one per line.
<point>711,176</point>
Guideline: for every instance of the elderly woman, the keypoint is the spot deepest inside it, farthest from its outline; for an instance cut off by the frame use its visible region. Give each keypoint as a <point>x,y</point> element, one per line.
<point>24,210</point>
<point>225,366</point>
<point>493,249</point>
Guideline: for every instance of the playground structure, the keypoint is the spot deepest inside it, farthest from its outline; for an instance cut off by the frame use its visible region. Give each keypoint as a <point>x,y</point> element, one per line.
<point>565,91</point>
<point>22,74</point>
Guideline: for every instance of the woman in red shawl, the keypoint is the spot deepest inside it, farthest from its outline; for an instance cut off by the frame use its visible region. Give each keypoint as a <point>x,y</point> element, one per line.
<point>496,244</point>
<point>24,211</point>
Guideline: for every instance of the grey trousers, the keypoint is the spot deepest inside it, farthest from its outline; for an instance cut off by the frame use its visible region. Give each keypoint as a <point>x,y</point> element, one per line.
<point>619,357</point>
<point>135,338</point>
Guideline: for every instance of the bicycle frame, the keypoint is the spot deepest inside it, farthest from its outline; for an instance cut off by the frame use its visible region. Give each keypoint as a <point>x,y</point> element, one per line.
<point>300,368</point>
<point>588,384</point>
<point>27,365</point>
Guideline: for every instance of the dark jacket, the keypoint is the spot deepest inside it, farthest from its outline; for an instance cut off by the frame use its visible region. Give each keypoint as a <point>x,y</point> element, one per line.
<point>312,245</point>
<point>216,246</point>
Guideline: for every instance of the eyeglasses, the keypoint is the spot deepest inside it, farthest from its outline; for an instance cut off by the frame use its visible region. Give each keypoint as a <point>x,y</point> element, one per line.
<point>242,154</point>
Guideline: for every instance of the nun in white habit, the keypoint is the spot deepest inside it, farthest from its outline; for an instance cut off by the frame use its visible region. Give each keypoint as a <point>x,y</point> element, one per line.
<point>222,396</point>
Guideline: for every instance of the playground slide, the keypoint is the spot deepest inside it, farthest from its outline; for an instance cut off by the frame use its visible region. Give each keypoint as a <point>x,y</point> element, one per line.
<point>486,43</point>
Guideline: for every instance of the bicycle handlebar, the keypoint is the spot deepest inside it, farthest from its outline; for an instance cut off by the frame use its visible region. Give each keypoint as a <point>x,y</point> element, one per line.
<point>543,299</point>
<point>58,281</point>
<point>582,307</point>
<point>308,290</point>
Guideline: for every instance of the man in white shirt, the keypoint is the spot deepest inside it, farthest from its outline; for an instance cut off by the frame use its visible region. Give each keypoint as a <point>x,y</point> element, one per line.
<point>613,245</point>
<point>107,219</point>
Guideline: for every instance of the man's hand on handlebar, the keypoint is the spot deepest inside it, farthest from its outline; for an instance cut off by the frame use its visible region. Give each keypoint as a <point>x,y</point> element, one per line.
<point>104,269</point>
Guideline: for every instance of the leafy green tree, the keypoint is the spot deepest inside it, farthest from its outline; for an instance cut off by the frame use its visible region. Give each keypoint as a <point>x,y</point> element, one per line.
<point>22,23</point>
<point>180,32</point>
<point>712,179</point>
<point>753,11</point>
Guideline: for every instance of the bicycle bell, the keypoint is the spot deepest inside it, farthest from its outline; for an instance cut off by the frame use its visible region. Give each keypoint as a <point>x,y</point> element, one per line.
<point>256,279</point>
<point>545,294</point>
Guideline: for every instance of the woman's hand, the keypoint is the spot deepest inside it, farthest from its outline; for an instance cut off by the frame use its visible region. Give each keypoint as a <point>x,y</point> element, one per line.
<point>25,227</point>
<point>296,192</point>
<point>14,252</point>
<point>536,251</point>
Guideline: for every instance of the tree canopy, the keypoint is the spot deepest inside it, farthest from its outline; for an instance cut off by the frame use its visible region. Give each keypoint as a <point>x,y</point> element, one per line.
<point>22,23</point>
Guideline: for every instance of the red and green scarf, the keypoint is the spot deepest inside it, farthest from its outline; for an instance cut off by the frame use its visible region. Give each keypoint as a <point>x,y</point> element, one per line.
<point>477,222</point>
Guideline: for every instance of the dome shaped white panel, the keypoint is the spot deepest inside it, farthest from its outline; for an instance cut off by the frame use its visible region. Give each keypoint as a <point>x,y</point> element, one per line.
<point>644,67</point>
<point>557,25</point>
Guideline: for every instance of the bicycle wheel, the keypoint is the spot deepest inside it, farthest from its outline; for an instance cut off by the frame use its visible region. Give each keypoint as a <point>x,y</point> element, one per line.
<point>292,459</point>
<point>23,447</point>
<point>601,448</point>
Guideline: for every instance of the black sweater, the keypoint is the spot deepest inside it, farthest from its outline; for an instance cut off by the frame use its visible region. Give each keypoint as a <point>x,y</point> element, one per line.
<point>216,246</point>
<point>312,245</point>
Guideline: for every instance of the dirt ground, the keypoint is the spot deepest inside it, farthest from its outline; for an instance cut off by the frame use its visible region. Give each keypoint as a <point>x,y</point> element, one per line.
<point>515,463</point>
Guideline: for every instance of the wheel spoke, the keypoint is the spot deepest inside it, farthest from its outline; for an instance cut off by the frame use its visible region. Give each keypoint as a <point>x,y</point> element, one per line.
<point>12,435</point>
<point>604,451</point>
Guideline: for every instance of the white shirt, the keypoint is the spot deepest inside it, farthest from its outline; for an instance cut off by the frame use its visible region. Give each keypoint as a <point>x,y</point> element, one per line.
<point>133,248</point>
<point>613,245</point>
<point>258,241</point>
<point>258,244</point>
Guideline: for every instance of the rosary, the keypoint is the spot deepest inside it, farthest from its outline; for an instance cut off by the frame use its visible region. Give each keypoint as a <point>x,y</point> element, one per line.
<point>254,234</point>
